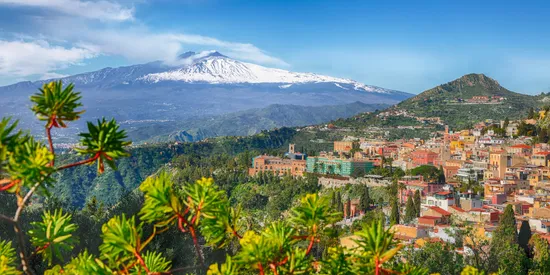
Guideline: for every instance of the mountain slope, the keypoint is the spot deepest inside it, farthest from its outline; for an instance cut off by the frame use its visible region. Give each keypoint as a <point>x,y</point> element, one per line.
<point>253,121</point>
<point>469,99</point>
<point>197,85</point>
<point>216,68</point>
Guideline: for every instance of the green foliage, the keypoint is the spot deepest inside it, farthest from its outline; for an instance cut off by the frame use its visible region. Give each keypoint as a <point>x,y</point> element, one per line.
<point>394,214</point>
<point>313,213</point>
<point>429,172</point>
<point>8,265</point>
<point>56,104</point>
<point>161,205</point>
<point>121,241</point>
<point>506,231</point>
<point>524,236</point>
<point>364,199</point>
<point>436,257</point>
<point>28,165</point>
<point>541,255</point>
<point>84,263</point>
<point>155,263</point>
<point>410,210</point>
<point>53,235</point>
<point>438,101</point>
<point>9,139</point>
<point>104,142</point>
<point>376,246</point>
<point>417,203</point>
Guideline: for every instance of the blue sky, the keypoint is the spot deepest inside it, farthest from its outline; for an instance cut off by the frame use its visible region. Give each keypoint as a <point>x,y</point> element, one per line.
<point>393,44</point>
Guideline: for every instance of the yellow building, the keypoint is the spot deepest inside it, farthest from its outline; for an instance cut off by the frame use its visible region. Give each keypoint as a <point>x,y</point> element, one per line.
<point>457,145</point>
<point>541,158</point>
<point>343,146</point>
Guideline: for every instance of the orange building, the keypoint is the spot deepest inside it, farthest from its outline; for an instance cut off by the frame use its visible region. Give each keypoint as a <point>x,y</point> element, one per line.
<point>278,166</point>
<point>424,157</point>
<point>343,146</point>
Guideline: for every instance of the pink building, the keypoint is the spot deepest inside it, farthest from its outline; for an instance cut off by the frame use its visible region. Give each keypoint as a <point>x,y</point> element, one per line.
<point>424,157</point>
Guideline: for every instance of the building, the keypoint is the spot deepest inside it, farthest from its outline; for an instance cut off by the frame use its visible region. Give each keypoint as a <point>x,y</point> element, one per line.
<point>424,157</point>
<point>294,164</point>
<point>343,146</point>
<point>414,183</point>
<point>541,158</point>
<point>337,166</point>
<point>442,199</point>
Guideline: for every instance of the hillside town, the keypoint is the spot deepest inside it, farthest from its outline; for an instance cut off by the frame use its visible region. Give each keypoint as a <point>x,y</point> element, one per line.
<point>473,175</point>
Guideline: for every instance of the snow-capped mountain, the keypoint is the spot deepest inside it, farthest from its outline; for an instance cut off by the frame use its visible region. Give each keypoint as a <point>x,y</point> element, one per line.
<point>216,68</point>
<point>194,86</point>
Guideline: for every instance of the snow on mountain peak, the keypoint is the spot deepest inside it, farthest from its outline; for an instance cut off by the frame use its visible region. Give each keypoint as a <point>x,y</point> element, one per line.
<point>213,67</point>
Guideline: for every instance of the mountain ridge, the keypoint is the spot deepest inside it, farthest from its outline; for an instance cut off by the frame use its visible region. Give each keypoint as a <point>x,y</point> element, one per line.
<point>119,93</point>
<point>253,121</point>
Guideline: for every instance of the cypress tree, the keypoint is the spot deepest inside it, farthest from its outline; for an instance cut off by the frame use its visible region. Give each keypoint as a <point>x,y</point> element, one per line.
<point>531,113</point>
<point>364,199</point>
<point>340,206</point>
<point>524,236</point>
<point>394,215</point>
<point>348,207</point>
<point>417,202</point>
<point>333,199</point>
<point>410,210</point>
<point>507,229</point>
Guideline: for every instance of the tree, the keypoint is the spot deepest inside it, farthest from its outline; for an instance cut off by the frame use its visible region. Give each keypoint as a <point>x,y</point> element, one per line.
<point>524,236</point>
<point>417,203</point>
<point>506,230</point>
<point>505,253</point>
<point>340,205</point>
<point>531,113</point>
<point>364,200</point>
<point>410,210</point>
<point>437,257</point>
<point>394,214</point>
<point>355,147</point>
<point>348,207</point>
<point>541,255</point>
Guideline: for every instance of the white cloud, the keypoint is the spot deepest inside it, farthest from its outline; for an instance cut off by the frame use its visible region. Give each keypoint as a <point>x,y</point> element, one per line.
<point>141,45</point>
<point>33,52</point>
<point>242,51</point>
<point>21,58</point>
<point>101,10</point>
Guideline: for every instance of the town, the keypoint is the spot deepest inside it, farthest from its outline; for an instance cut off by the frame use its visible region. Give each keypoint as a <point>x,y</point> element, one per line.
<point>464,178</point>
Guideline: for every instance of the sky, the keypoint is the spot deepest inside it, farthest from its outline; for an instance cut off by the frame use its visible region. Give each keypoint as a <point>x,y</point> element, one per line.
<point>398,45</point>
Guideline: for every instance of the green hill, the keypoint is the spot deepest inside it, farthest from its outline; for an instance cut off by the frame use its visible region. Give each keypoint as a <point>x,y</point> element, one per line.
<point>456,105</point>
<point>254,121</point>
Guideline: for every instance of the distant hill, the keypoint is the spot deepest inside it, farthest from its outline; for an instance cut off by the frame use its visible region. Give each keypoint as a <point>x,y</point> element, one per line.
<point>253,121</point>
<point>469,99</point>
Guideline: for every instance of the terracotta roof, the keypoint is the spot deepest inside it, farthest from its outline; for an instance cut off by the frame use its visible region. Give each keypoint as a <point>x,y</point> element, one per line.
<point>430,217</point>
<point>544,153</point>
<point>440,210</point>
<point>443,193</point>
<point>524,146</point>
<point>457,208</point>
